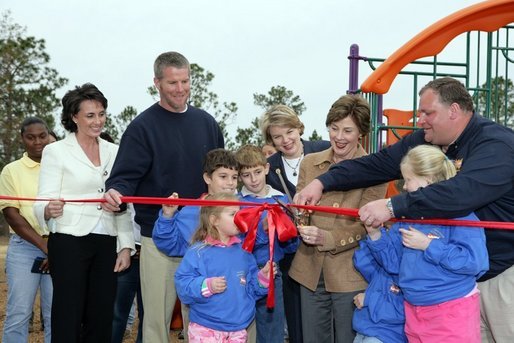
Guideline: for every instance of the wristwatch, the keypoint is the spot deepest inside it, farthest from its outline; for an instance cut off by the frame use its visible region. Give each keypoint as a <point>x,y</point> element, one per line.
<point>389,206</point>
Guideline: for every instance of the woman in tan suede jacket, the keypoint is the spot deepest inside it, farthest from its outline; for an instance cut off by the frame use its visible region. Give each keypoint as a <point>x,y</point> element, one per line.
<point>323,263</point>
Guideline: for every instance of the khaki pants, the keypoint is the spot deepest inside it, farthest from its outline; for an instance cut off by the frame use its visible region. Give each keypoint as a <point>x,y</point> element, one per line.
<point>497,308</point>
<point>158,291</point>
<point>184,310</point>
<point>252,332</point>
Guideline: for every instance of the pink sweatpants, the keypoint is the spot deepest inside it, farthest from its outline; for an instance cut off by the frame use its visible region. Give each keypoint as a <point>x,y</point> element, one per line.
<point>200,334</point>
<point>454,321</point>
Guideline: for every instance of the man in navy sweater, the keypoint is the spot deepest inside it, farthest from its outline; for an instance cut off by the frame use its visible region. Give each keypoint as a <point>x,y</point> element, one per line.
<point>484,155</point>
<point>162,152</point>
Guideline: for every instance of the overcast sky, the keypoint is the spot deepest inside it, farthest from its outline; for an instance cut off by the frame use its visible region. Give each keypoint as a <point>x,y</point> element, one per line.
<point>249,46</point>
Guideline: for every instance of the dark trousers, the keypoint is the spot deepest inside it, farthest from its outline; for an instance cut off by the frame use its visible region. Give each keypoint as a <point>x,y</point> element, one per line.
<point>82,270</point>
<point>292,301</point>
<point>128,287</point>
<point>270,322</point>
<point>327,316</point>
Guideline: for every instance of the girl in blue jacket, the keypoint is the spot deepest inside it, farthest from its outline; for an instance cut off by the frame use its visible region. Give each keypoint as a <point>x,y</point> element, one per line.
<point>437,266</point>
<point>218,279</point>
<point>379,315</point>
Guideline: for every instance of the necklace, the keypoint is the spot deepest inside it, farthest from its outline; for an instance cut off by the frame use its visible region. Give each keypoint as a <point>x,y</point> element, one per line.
<point>296,166</point>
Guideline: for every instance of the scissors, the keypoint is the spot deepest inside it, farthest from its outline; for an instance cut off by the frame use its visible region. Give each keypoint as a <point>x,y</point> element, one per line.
<point>299,218</point>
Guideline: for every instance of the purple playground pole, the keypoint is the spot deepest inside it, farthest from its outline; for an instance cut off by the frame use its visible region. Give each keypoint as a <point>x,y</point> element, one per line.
<point>354,69</point>
<point>353,86</point>
<point>380,119</point>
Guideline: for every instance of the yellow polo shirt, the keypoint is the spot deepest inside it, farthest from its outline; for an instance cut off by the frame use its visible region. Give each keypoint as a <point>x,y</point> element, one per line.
<point>20,179</point>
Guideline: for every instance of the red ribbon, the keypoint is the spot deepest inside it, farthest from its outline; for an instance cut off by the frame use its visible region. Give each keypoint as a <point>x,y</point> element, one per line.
<point>247,220</point>
<point>340,211</point>
<point>352,212</point>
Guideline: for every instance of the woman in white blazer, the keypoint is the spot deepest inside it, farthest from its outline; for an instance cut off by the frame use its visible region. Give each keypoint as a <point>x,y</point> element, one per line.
<point>87,246</point>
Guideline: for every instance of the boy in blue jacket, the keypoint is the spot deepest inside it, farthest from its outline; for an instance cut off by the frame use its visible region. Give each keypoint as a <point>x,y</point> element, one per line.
<point>174,228</point>
<point>253,168</point>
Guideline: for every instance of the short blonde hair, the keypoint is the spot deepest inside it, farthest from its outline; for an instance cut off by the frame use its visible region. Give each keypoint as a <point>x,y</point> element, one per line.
<point>249,156</point>
<point>170,59</point>
<point>430,162</point>
<point>279,115</point>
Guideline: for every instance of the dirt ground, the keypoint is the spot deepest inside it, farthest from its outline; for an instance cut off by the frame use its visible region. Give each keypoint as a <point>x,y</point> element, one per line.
<point>37,336</point>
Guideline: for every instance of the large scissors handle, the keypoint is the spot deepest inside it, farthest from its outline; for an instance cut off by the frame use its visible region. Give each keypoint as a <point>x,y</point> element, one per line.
<point>300,218</point>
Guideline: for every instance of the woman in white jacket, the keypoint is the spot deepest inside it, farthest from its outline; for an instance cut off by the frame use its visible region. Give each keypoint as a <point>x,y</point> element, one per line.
<point>87,245</point>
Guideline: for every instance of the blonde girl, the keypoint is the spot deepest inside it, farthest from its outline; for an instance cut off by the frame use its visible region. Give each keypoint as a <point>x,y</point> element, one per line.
<point>218,279</point>
<point>437,265</point>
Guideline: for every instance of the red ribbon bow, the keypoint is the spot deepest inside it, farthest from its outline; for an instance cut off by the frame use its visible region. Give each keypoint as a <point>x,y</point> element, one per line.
<point>247,220</point>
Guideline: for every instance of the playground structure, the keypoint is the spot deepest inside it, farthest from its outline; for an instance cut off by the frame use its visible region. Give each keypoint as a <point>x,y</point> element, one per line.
<point>483,39</point>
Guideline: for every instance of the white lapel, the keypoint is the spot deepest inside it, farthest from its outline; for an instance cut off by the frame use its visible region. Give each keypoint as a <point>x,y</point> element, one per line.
<point>105,153</point>
<point>78,154</point>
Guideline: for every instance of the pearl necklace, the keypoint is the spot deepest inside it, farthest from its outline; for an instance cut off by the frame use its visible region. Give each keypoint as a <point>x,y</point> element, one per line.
<point>296,166</point>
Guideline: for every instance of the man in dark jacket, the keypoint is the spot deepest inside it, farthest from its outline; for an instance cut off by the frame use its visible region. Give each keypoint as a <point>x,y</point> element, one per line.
<point>484,154</point>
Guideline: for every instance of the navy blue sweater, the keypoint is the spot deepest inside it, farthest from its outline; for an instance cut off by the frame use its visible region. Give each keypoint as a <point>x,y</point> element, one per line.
<point>162,152</point>
<point>484,183</point>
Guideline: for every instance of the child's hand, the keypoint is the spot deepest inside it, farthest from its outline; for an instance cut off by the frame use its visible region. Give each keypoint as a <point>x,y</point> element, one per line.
<point>374,233</point>
<point>358,300</point>
<point>414,239</point>
<point>218,284</point>
<point>169,210</point>
<point>266,269</point>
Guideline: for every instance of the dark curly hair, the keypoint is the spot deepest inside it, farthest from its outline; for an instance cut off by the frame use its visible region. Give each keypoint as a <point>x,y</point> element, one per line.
<point>72,100</point>
<point>219,158</point>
